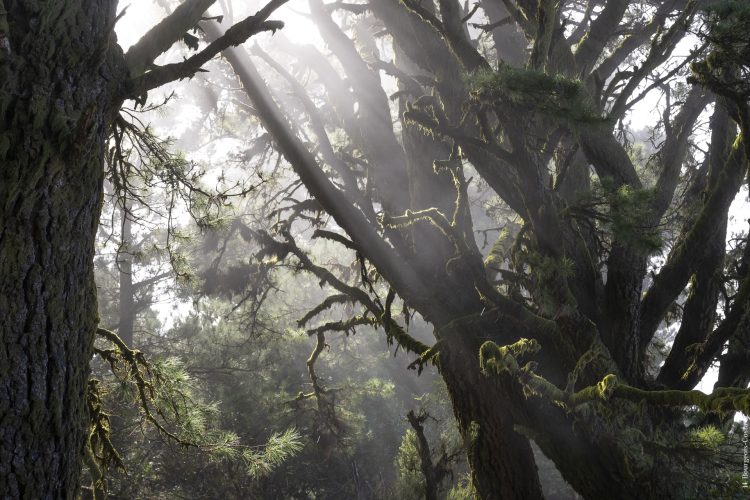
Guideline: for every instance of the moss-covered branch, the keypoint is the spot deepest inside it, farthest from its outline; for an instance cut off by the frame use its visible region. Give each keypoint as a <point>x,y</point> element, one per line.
<point>338,238</point>
<point>329,302</point>
<point>142,374</point>
<point>432,215</point>
<point>348,293</point>
<point>344,325</point>
<point>503,360</point>
<point>397,333</point>
<point>531,89</point>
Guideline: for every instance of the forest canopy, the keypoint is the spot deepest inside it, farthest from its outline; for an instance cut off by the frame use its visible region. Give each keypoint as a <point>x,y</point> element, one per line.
<point>407,248</point>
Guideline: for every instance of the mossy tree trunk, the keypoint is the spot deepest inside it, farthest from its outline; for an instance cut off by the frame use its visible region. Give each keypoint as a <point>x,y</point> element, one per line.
<point>56,95</point>
<point>500,459</point>
<point>63,78</point>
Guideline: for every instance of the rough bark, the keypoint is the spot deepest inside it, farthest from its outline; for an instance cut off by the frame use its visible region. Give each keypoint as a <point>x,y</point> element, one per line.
<point>625,271</point>
<point>62,79</point>
<point>57,78</point>
<point>500,459</point>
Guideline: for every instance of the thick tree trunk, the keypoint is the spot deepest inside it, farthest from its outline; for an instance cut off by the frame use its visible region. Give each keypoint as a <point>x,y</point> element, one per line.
<point>501,460</point>
<point>55,83</point>
<point>625,270</point>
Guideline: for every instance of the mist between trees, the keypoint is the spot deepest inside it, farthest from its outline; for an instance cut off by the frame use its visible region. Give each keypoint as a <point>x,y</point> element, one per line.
<point>409,249</point>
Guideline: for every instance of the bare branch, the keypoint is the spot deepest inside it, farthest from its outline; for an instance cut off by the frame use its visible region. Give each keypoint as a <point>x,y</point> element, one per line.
<point>234,36</point>
<point>162,36</point>
<point>601,30</point>
<point>661,49</point>
<point>638,38</point>
<point>673,152</point>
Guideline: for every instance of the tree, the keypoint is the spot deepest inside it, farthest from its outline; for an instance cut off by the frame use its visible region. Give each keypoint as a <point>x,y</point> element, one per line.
<point>556,335</point>
<point>63,81</point>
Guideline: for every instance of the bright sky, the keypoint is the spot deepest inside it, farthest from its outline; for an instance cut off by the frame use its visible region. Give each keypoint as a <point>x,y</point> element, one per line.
<point>141,15</point>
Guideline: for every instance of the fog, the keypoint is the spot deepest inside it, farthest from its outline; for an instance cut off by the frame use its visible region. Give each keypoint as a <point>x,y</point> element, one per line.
<point>277,310</point>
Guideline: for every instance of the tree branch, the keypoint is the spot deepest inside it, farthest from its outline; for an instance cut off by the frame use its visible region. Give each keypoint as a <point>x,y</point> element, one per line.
<point>688,254</point>
<point>591,45</point>
<point>162,36</point>
<point>503,360</point>
<point>737,315</point>
<point>661,49</point>
<point>234,36</point>
<point>610,64</point>
<point>672,153</point>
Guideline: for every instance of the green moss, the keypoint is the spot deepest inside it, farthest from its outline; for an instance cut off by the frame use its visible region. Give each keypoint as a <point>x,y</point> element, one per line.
<point>607,386</point>
<point>499,359</point>
<point>630,216</point>
<point>707,437</point>
<point>548,94</point>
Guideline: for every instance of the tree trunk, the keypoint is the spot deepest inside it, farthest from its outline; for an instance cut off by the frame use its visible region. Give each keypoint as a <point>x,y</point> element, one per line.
<point>429,471</point>
<point>625,270</point>
<point>501,461</point>
<point>126,319</point>
<point>56,78</point>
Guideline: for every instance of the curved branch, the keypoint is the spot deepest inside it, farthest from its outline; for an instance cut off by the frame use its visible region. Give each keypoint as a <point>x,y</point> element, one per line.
<point>234,36</point>
<point>610,64</point>
<point>591,45</point>
<point>162,36</point>
<point>688,254</point>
